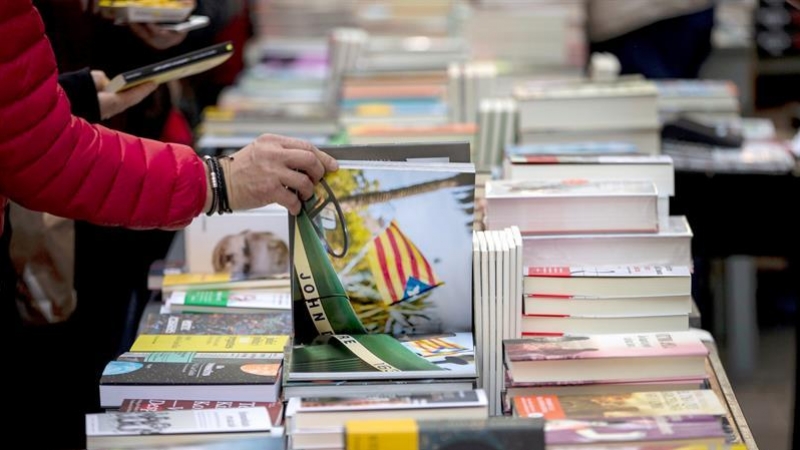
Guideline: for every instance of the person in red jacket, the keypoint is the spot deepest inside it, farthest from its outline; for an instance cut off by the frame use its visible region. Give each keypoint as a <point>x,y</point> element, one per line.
<point>53,161</point>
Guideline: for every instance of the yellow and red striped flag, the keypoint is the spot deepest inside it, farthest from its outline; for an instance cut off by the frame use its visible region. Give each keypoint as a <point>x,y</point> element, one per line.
<point>399,269</point>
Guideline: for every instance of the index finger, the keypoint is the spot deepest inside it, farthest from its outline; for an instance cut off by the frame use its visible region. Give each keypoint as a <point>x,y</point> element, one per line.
<point>330,164</point>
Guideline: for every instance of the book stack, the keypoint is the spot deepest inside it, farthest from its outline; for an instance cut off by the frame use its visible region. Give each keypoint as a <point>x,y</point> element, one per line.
<point>313,423</point>
<point>379,295</point>
<point>378,100</point>
<point>630,376</point>
<point>395,18</point>
<point>572,111</point>
<point>544,164</point>
<point>196,367</point>
<point>468,84</point>
<point>497,124</point>
<point>497,286</point>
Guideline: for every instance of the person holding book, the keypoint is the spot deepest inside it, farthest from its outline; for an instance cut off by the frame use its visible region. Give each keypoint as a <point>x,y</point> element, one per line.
<point>53,161</point>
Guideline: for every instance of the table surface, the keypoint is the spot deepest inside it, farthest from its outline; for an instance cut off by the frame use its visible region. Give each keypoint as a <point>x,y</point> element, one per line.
<point>722,386</point>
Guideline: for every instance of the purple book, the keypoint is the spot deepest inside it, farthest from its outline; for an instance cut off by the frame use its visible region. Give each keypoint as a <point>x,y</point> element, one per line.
<point>639,430</point>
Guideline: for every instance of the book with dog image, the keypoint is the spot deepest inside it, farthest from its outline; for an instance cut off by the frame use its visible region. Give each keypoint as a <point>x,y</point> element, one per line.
<point>379,257</point>
<point>248,248</point>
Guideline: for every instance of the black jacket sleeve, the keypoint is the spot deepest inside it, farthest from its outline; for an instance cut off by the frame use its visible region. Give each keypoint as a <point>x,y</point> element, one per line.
<point>79,87</point>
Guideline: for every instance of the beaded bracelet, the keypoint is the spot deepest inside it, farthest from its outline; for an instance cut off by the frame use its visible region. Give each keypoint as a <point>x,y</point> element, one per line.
<point>214,185</point>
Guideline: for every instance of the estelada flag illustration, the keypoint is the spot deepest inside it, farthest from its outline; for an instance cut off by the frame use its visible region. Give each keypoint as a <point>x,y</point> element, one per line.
<point>399,269</point>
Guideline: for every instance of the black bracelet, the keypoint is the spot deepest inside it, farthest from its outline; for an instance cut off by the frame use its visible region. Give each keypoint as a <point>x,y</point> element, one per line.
<point>214,186</point>
<point>224,204</point>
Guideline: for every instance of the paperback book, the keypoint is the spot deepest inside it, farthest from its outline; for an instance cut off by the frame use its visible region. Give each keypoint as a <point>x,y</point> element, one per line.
<point>606,357</point>
<point>275,409</point>
<point>675,430</point>
<point>634,404</point>
<point>273,322</point>
<point>247,380</point>
<point>146,429</point>
<point>209,343</point>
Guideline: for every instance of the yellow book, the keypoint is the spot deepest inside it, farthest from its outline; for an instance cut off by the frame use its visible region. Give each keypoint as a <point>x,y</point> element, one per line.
<point>209,343</point>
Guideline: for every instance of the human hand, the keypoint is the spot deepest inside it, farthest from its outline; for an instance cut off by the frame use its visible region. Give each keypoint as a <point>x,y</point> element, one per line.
<point>274,169</point>
<point>113,103</point>
<point>157,37</point>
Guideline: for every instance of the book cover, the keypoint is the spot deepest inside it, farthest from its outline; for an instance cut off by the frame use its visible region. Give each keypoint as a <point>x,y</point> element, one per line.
<point>223,301</point>
<point>209,343</point>
<point>174,68</point>
<point>244,380</point>
<point>193,373</point>
<point>492,433</point>
<point>389,243</point>
<point>270,323</point>
<point>275,409</point>
<point>148,424</point>
<point>188,357</point>
<point>635,404</point>
<point>544,348</point>
<point>645,429</point>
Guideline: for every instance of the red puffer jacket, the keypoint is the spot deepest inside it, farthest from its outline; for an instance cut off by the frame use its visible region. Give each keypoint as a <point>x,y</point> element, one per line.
<point>55,162</point>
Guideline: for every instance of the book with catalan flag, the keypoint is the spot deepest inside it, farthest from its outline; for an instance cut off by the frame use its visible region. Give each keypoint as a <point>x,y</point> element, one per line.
<point>379,256</point>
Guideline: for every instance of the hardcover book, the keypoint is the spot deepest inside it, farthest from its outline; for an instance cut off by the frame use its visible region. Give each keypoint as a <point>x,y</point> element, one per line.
<point>572,206</point>
<point>271,323</point>
<point>606,357</point>
<point>635,404</point>
<point>174,68</point>
<point>608,281</point>
<point>379,253</point>
<point>247,380</point>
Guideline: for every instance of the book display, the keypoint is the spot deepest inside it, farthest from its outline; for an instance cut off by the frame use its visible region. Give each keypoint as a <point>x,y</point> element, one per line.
<point>493,265</point>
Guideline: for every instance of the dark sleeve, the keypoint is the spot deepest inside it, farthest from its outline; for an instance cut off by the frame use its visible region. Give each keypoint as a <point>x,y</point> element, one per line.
<point>82,95</point>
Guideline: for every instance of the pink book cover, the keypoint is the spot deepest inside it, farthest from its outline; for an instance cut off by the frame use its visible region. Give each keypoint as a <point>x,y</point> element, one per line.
<point>607,272</point>
<point>628,345</point>
<point>510,383</point>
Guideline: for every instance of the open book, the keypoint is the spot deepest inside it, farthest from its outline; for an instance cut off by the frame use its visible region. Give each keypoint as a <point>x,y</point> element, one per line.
<point>380,256</point>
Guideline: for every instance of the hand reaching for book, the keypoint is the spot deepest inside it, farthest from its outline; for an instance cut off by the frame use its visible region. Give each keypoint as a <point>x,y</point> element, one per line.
<point>113,103</point>
<point>274,169</point>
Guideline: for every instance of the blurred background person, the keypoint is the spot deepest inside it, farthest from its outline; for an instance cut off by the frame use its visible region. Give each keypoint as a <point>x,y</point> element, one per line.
<point>658,39</point>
